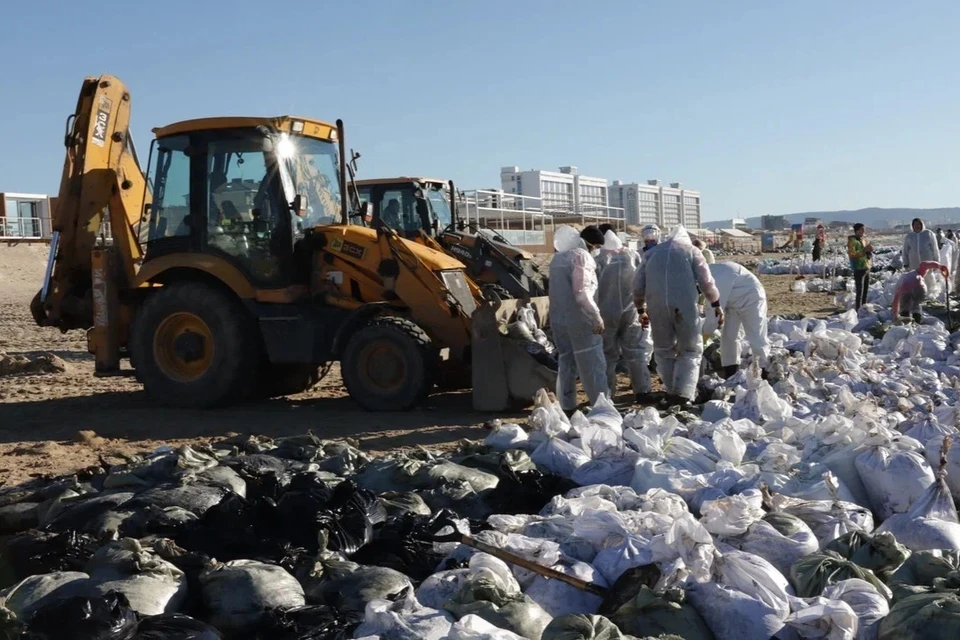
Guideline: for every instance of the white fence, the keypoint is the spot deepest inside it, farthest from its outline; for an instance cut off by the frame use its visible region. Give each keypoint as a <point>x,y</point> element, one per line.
<point>21,228</point>
<point>509,213</point>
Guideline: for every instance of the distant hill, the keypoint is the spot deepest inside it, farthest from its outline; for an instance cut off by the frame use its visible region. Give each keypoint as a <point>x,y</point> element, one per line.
<point>877,217</point>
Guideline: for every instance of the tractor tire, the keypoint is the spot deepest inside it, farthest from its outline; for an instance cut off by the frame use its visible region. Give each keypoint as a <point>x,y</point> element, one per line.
<point>193,346</point>
<point>497,289</point>
<point>389,365</point>
<point>278,380</point>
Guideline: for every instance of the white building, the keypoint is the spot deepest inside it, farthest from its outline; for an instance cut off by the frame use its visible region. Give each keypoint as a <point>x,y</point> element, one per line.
<point>564,190</point>
<point>653,203</point>
<point>24,215</point>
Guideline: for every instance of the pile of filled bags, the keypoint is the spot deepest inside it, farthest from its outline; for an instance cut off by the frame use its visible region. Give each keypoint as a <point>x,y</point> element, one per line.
<point>884,259</point>
<point>816,503</point>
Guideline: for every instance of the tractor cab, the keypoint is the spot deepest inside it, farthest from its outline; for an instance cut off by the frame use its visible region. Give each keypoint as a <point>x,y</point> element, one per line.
<point>244,190</point>
<point>407,205</point>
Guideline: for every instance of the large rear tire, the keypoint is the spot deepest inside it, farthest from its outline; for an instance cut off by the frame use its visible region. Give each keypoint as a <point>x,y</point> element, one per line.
<point>192,345</point>
<point>389,365</point>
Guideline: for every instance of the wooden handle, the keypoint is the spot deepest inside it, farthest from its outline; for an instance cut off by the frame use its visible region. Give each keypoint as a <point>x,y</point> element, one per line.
<point>539,569</point>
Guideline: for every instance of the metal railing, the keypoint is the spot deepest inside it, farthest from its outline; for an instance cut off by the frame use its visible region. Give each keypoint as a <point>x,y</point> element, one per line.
<point>506,211</point>
<point>21,228</point>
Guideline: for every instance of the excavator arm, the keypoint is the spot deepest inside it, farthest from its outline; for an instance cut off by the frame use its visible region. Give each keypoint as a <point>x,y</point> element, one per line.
<point>101,174</point>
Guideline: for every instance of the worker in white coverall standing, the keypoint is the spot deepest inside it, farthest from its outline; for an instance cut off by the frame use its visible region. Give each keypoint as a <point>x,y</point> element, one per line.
<point>574,316</point>
<point>744,303</point>
<point>665,290</point>
<point>622,334</point>
<point>919,245</point>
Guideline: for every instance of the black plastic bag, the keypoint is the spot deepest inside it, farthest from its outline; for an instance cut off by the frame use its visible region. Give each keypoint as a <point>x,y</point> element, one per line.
<point>317,622</point>
<point>236,529</point>
<point>38,552</point>
<point>526,491</point>
<point>175,626</point>
<point>108,617</point>
<point>404,543</point>
<point>299,507</point>
<point>350,519</point>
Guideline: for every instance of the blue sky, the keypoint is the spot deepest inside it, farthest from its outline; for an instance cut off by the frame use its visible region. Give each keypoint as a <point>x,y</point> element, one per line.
<point>765,107</point>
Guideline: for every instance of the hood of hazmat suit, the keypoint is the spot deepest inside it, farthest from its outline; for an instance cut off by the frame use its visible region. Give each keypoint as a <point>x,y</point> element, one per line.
<point>919,246</point>
<point>668,281</point>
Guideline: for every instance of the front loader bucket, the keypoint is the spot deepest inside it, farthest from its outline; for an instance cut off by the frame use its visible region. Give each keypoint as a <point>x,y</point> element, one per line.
<point>504,374</point>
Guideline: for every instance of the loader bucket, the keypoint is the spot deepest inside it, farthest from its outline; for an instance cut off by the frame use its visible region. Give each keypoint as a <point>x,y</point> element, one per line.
<point>504,374</point>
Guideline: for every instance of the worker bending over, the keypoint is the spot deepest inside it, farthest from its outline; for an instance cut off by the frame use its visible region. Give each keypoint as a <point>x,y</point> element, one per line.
<point>744,303</point>
<point>667,282</point>
<point>912,291</point>
<point>622,333</point>
<point>575,317</point>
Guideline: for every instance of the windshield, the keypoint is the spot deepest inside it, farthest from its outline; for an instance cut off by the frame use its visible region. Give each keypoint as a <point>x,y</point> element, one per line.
<point>309,167</point>
<point>439,198</point>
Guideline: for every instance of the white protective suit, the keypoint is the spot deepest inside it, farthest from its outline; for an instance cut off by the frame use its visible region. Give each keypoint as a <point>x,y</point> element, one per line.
<point>948,257</point>
<point>744,303</point>
<point>622,333</point>
<point>667,280</point>
<point>919,246</point>
<point>573,316</point>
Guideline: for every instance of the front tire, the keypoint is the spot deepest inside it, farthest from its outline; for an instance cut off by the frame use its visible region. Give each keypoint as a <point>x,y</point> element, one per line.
<point>388,365</point>
<point>194,346</point>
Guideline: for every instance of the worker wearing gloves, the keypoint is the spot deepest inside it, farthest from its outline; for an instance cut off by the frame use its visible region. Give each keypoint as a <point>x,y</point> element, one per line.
<point>919,245</point>
<point>622,334</point>
<point>575,317</point>
<point>667,282</point>
<point>912,291</point>
<point>744,303</point>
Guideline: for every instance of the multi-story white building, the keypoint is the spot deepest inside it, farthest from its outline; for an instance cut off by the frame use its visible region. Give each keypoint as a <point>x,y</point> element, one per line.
<point>564,190</point>
<point>653,203</point>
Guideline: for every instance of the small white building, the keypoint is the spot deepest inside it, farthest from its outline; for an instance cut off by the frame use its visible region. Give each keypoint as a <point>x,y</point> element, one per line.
<point>25,216</point>
<point>653,203</point>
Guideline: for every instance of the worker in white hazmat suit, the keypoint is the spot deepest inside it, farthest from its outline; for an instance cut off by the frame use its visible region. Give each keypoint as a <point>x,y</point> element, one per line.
<point>666,290</point>
<point>623,336</point>
<point>919,245</point>
<point>574,316</point>
<point>744,303</point>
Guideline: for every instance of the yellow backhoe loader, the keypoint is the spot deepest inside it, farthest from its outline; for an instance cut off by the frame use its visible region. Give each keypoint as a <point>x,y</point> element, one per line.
<point>420,208</point>
<point>236,273</point>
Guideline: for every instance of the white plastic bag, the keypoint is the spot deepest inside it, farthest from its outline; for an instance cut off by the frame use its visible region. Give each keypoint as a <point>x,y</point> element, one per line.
<point>894,478</point>
<point>473,627</point>
<point>559,457</point>
<point>823,618</point>
<point>405,618</point>
<point>732,515</point>
<point>869,604</point>
<point>507,436</point>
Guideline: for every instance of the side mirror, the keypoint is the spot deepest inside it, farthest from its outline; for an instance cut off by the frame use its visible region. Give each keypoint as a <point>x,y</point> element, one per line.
<point>366,211</point>
<point>299,205</point>
<point>418,193</point>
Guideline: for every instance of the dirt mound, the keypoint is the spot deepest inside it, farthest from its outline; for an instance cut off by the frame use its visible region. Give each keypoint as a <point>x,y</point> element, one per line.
<point>42,363</point>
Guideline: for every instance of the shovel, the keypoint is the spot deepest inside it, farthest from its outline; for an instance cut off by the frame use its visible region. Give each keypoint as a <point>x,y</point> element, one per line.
<point>456,534</point>
<point>445,528</point>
